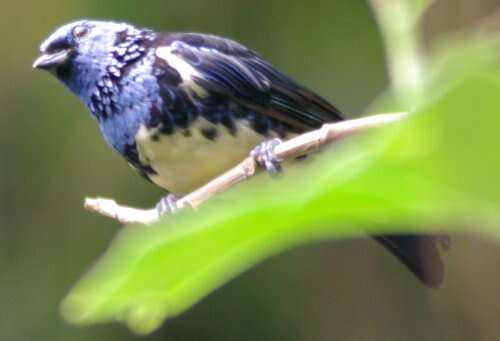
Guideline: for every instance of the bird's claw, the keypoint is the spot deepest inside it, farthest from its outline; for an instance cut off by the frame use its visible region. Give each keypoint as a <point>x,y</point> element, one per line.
<point>168,205</point>
<point>265,157</point>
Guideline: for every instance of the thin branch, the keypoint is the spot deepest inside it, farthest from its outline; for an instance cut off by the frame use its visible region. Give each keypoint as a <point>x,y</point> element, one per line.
<point>293,148</point>
<point>124,214</point>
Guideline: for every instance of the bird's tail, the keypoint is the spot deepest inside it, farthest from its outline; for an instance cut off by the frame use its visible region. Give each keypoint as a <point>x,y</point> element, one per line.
<point>419,253</point>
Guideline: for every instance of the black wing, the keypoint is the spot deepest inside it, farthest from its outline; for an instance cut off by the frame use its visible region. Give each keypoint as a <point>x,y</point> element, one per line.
<point>227,68</point>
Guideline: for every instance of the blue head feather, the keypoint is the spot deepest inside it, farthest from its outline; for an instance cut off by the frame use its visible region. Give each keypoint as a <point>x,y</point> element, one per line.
<point>95,53</point>
<point>91,52</point>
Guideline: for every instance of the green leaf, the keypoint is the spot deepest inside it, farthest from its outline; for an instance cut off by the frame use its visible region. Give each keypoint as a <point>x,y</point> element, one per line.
<point>437,170</point>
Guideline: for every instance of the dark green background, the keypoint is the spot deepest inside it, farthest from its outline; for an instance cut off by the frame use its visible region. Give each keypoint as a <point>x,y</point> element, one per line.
<point>53,156</point>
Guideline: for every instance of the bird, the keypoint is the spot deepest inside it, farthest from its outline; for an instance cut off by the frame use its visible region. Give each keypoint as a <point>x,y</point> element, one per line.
<point>183,107</point>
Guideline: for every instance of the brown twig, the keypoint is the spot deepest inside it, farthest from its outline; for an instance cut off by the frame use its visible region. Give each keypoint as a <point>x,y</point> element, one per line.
<point>295,147</point>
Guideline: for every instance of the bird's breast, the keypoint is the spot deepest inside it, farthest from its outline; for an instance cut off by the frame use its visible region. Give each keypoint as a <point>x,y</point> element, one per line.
<point>186,159</point>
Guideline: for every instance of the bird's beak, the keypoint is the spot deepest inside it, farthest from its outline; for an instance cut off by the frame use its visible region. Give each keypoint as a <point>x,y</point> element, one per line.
<point>53,60</point>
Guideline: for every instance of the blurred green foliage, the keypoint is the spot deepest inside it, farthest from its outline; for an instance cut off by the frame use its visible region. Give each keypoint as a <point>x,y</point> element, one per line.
<point>53,156</point>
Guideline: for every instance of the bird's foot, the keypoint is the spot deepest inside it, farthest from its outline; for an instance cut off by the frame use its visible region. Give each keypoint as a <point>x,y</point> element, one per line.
<point>265,157</point>
<point>168,205</point>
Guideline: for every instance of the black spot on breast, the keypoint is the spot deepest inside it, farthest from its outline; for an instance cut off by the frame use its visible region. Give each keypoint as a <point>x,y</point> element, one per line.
<point>130,153</point>
<point>182,109</point>
<point>209,133</point>
<point>161,120</point>
<point>260,123</point>
<point>283,129</point>
<point>238,111</point>
<point>265,125</point>
<point>155,137</point>
<point>228,122</point>
<point>186,132</point>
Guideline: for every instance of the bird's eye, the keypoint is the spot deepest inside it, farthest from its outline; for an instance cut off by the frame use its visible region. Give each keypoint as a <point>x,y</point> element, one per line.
<point>80,31</point>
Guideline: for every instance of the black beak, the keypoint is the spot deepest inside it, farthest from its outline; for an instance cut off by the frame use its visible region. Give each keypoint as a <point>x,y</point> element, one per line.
<point>53,60</point>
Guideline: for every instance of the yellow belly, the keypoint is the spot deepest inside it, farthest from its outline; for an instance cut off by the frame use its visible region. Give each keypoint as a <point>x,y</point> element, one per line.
<point>184,163</point>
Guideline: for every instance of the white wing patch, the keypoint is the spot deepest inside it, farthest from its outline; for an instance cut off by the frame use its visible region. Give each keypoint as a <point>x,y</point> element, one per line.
<point>187,72</point>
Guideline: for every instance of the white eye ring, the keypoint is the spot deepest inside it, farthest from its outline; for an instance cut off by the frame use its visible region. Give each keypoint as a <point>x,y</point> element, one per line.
<point>80,31</point>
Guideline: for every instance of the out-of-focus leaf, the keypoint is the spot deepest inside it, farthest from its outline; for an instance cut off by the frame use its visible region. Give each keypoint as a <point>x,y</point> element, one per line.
<point>416,8</point>
<point>420,6</point>
<point>399,25</point>
<point>437,170</point>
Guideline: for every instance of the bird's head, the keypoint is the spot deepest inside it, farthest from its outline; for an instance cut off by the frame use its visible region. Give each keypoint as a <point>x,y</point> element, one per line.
<point>78,53</point>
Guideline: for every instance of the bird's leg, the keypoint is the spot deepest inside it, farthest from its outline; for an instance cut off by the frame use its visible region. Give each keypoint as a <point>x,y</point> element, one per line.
<point>265,157</point>
<point>168,205</point>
